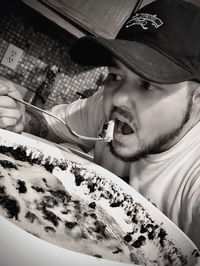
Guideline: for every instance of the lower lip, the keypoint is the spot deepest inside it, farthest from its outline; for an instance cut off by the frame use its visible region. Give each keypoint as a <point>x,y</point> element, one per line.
<point>120,137</point>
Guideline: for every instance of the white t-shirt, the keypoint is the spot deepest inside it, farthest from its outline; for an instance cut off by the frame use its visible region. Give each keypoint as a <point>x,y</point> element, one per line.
<point>170,180</point>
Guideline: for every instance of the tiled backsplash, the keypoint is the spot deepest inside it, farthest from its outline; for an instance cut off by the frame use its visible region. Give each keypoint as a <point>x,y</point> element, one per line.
<point>44,45</point>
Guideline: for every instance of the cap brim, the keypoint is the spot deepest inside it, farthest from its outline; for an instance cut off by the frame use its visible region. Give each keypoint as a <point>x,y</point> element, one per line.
<point>142,59</point>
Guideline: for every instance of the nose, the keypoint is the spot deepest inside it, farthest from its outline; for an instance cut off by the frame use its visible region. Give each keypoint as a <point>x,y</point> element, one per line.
<point>124,96</point>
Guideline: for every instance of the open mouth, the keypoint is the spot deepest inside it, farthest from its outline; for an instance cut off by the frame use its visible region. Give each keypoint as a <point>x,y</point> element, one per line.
<point>123,128</point>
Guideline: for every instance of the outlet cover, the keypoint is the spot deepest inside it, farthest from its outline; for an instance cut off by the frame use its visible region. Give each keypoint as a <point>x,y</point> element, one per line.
<point>12,56</point>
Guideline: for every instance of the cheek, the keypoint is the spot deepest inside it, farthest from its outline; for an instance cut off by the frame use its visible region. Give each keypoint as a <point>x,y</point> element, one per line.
<point>107,102</point>
<point>161,118</point>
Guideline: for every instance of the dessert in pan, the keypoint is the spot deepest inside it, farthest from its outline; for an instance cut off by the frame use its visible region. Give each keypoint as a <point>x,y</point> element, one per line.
<point>108,130</point>
<point>77,206</point>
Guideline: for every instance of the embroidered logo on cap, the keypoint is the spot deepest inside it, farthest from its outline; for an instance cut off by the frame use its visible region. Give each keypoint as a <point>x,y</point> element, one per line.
<point>143,19</point>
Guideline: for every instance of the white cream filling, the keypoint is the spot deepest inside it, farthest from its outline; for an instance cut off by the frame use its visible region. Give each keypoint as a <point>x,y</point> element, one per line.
<point>110,131</point>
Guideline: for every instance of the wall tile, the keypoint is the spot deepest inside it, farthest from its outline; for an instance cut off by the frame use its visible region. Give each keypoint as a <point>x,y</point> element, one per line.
<point>43,46</point>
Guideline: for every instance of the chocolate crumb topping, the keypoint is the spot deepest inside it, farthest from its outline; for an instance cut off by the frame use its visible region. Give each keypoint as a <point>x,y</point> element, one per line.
<point>115,204</point>
<point>70,225</point>
<point>92,205</point>
<point>50,216</point>
<point>38,189</point>
<point>30,216</point>
<point>143,229</point>
<point>21,186</point>
<point>134,219</point>
<point>162,234</point>
<point>78,179</point>
<point>10,204</point>
<point>91,187</point>
<point>49,167</point>
<point>137,244</point>
<point>100,228</point>
<point>61,195</point>
<point>45,181</point>
<point>128,238</point>
<point>49,201</point>
<point>98,256</point>
<point>117,250</point>
<point>196,253</point>
<point>93,215</point>
<point>7,164</point>
<point>151,235</point>
<point>49,229</point>
<point>19,154</point>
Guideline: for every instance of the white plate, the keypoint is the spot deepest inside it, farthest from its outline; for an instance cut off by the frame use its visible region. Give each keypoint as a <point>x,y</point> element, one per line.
<point>32,251</point>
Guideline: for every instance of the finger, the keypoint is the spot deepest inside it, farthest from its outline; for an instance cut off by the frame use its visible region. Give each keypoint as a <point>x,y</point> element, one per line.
<point>6,101</point>
<point>7,85</point>
<point>10,113</point>
<point>7,122</point>
<point>18,128</point>
<point>3,88</point>
<point>8,88</point>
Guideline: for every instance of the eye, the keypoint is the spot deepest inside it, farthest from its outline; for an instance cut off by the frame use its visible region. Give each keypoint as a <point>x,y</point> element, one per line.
<point>112,77</point>
<point>145,85</point>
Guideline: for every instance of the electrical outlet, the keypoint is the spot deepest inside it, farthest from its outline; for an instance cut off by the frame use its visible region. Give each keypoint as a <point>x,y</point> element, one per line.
<point>12,56</point>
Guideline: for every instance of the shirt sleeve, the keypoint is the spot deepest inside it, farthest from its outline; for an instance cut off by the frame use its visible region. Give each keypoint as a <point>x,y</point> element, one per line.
<point>84,116</point>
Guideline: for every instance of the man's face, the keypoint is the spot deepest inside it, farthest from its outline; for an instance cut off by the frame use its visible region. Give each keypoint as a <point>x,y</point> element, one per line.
<point>149,117</point>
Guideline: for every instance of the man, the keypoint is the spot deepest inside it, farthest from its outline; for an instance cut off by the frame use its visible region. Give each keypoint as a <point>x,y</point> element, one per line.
<point>152,91</point>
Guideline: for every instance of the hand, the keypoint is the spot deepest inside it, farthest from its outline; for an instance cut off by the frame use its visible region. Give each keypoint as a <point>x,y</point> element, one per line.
<point>12,113</point>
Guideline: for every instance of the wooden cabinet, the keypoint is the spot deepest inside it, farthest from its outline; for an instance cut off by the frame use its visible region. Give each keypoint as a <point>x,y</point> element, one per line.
<point>97,17</point>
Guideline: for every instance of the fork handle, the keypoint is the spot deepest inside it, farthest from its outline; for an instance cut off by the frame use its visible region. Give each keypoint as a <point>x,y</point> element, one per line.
<point>58,118</point>
<point>38,109</point>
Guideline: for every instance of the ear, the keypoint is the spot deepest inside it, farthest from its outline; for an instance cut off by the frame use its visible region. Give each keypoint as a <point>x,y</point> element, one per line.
<point>196,97</point>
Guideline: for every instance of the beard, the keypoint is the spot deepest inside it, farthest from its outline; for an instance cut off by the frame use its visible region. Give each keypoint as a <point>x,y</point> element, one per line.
<point>146,150</point>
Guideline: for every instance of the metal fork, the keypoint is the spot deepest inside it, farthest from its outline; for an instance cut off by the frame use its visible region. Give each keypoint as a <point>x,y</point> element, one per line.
<point>61,120</point>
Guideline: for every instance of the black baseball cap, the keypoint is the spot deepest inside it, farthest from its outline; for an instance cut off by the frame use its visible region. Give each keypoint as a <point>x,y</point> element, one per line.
<point>160,42</point>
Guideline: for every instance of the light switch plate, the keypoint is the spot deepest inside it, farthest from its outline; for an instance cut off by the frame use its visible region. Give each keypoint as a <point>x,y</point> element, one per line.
<point>12,56</point>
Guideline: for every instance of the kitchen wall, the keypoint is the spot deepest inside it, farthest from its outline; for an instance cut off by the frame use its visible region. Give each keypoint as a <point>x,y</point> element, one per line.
<point>44,44</point>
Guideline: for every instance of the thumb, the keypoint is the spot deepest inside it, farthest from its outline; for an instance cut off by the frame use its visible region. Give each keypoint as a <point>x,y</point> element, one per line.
<point>3,89</point>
